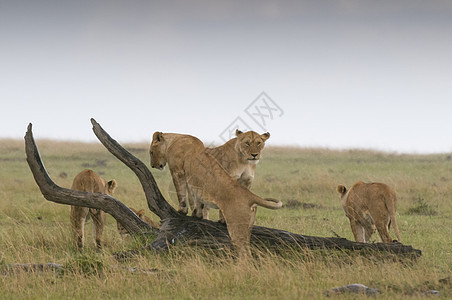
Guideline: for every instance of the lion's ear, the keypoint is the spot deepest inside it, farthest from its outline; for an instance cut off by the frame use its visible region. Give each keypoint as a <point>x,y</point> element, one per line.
<point>238,132</point>
<point>265,136</point>
<point>158,136</point>
<point>341,189</point>
<point>111,186</point>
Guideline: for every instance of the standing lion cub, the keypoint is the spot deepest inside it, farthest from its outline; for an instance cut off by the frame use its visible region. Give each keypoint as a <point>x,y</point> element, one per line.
<point>89,181</point>
<point>370,205</point>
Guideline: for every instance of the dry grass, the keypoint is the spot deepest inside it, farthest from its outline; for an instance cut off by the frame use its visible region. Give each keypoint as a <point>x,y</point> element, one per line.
<point>33,230</point>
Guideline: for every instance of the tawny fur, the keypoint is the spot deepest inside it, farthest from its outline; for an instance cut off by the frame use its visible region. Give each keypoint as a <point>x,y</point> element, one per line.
<point>199,173</point>
<point>370,206</point>
<point>89,181</point>
<point>239,157</point>
<point>141,214</point>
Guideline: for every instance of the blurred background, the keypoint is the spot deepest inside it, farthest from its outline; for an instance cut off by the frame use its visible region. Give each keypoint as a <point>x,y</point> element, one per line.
<point>336,74</point>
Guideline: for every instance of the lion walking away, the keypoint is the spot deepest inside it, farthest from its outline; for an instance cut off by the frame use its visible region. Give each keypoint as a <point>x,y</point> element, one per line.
<point>88,181</point>
<point>370,206</point>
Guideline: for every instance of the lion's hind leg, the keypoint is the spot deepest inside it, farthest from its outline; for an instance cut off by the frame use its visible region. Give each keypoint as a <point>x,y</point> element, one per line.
<point>78,218</point>
<point>383,231</point>
<point>240,237</point>
<point>239,229</point>
<point>369,226</point>
<point>369,231</point>
<point>98,217</point>
<point>358,231</point>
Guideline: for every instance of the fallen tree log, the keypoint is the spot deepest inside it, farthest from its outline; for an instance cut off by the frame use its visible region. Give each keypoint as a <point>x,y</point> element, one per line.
<point>177,228</point>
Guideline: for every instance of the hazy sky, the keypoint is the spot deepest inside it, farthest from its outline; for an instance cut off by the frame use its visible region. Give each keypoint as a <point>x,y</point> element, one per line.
<point>338,74</point>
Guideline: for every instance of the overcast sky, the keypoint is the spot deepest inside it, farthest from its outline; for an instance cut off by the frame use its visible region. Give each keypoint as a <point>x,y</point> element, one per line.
<point>337,74</point>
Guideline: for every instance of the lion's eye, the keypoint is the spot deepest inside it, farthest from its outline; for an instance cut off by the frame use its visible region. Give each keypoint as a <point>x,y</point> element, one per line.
<point>247,144</point>
<point>258,143</point>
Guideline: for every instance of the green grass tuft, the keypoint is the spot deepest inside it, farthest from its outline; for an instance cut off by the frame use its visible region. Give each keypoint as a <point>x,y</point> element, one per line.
<point>420,207</point>
<point>84,264</point>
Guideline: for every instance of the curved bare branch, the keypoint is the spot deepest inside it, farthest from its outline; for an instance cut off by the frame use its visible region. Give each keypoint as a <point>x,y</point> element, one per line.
<point>156,202</point>
<point>52,192</point>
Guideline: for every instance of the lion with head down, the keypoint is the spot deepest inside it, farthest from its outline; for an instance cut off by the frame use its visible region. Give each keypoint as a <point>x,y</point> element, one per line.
<point>89,181</point>
<point>370,207</point>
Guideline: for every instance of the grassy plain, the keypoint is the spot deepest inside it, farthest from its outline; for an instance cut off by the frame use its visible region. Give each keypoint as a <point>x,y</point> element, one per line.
<point>33,230</point>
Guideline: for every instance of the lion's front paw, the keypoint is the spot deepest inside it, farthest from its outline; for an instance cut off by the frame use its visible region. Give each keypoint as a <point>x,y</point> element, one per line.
<point>183,210</point>
<point>197,214</point>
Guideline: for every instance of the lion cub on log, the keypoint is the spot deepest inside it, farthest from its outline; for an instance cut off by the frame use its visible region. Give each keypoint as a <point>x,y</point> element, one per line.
<point>370,205</point>
<point>89,181</point>
<point>239,157</point>
<point>197,172</point>
<point>140,213</point>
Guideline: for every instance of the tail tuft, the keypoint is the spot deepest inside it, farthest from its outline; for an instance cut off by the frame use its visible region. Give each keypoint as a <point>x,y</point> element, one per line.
<point>278,202</point>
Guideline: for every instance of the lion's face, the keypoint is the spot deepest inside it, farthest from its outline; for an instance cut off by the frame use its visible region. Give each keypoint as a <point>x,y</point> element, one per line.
<point>250,144</point>
<point>157,151</point>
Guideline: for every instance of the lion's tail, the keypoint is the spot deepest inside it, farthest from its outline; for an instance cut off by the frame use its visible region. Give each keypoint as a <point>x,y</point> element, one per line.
<point>267,202</point>
<point>392,215</point>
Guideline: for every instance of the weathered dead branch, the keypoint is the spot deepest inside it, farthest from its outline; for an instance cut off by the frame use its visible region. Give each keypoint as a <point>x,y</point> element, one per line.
<point>57,194</point>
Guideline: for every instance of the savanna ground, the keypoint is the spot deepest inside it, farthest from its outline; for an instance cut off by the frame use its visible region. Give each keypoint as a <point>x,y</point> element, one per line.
<point>34,230</point>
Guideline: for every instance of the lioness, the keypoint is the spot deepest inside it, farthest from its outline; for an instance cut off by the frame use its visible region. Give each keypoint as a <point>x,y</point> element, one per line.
<point>239,156</point>
<point>140,213</point>
<point>195,170</point>
<point>89,181</point>
<point>370,205</point>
